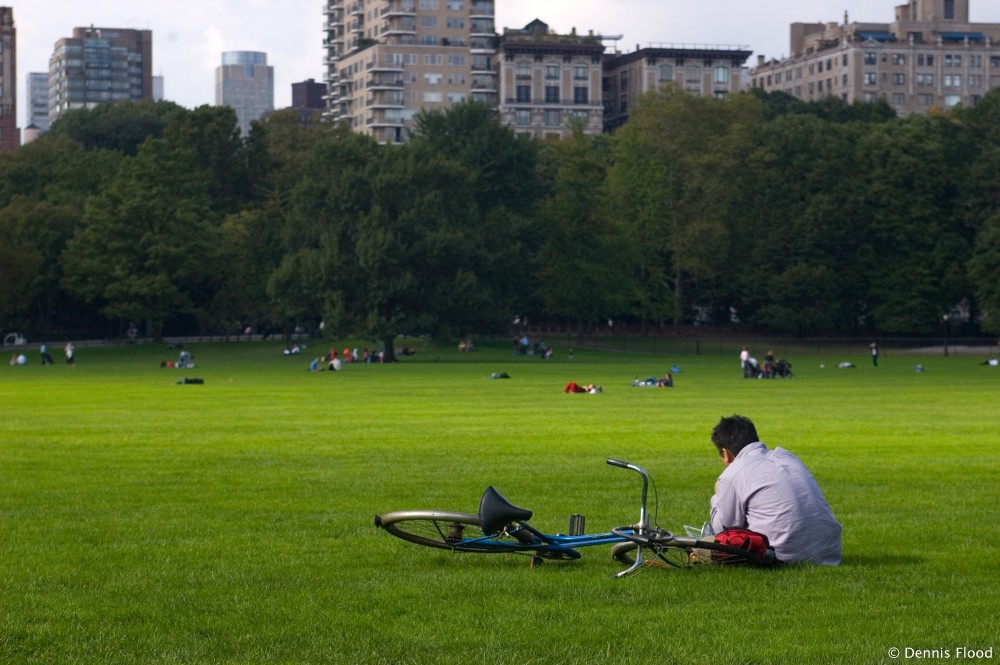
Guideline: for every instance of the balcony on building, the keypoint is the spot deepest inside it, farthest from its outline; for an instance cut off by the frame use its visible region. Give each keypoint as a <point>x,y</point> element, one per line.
<point>400,25</point>
<point>388,80</point>
<point>482,8</point>
<point>385,99</point>
<point>400,8</point>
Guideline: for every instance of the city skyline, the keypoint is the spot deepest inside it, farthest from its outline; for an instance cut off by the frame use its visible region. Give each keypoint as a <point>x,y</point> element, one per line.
<point>190,36</point>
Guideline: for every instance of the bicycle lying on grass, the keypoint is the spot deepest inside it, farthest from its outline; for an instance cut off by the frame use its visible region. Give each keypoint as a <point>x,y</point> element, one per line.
<point>501,527</point>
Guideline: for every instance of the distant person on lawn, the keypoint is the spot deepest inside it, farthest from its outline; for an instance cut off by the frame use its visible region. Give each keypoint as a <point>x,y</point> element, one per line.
<point>771,492</point>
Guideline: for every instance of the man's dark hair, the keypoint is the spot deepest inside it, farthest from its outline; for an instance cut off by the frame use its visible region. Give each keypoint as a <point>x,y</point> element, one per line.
<point>733,434</point>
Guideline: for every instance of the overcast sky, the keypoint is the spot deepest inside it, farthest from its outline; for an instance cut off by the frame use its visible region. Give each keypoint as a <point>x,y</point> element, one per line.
<point>190,35</point>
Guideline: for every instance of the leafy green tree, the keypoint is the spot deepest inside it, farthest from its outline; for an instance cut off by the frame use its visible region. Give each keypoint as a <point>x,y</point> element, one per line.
<point>798,226</point>
<point>917,227</point>
<point>211,133</point>
<point>121,127</point>
<point>147,248</point>
<point>665,183</point>
<point>582,262</point>
<point>984,269</point>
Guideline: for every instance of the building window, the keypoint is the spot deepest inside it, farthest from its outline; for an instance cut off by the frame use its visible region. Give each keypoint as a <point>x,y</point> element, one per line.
<point>624,80</point>
<point>552,118</point>
<point>551,94</point>
<point>975,81</point>
<point>666,73</point>
<point>924,79</point>
<point>871,78</point>
<point>949,10</point>
<point>899,59</point>
<point>581,72</point>
<point>722,74</point>
<point>871,58</point>
<point>552,72</point>
<point>843,61</point>
<point>951,101</point>
<point>925,100</point>
<point>975,62</point>
<point>953,80</point>
<point>581,95</point>
<point>522,117</point>
<point>898,99</point>
<point>429,4</point>
<point>456,5</point>
<point>871,97</point>
<point>692,75</point>
<point>952,60</point>
<point>522,69</point>
<point>453,23</point>
<point>925,60</point>
<point>623,104</point>
<point>524,94</point>
<point>899,79</point>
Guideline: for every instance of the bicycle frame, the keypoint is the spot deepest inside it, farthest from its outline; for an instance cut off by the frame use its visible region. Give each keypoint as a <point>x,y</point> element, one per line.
<point>502,527</point>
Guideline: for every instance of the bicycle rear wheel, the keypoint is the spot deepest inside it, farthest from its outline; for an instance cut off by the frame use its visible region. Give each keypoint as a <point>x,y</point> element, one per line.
<point>443,530</point>
<point>461,532</point>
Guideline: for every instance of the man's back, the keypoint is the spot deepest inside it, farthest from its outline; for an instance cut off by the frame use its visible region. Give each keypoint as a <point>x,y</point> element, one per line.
<point>772,492</point>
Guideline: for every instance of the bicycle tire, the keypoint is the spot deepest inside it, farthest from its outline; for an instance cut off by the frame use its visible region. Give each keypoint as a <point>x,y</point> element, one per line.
<point>675,557</point>
<point>451,531</point>
<point>685,551</point>
<point>438,529</point>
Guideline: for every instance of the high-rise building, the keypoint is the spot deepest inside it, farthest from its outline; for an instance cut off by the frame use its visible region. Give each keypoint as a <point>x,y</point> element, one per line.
<point>10,138</point>
<point>98,66</point>
<point>931,56</point>
<point>245,82</point>
<point>308,98</point>
<point>308,94</point>
<point>38,101</point>
<point>550,83</point>
<point>388,59</point>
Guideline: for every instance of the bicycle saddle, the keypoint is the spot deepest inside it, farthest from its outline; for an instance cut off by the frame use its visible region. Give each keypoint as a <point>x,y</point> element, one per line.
<point>496,512</point>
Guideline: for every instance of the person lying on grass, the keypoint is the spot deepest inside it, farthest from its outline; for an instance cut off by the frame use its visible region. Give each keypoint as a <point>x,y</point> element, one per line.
<point>771,492</point>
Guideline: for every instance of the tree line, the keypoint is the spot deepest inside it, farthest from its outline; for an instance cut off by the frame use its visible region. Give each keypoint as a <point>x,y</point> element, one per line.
<point>797,218</point>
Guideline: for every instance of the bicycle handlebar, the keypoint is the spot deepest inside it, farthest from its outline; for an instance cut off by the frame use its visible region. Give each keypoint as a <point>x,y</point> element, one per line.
<point>643,526</point>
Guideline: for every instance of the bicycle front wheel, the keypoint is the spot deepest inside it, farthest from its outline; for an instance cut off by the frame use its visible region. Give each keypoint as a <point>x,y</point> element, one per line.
<point>678,557</point>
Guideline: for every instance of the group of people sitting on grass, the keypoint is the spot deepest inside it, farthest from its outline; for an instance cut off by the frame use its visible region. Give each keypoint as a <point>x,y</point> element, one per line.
<point>769,369</point>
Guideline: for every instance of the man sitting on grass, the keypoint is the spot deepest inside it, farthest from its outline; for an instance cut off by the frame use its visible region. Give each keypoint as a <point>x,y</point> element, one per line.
<point>771,492</point>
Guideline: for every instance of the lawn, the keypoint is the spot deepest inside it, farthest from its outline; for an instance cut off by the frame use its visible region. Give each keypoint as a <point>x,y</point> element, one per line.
<point>143,521</point>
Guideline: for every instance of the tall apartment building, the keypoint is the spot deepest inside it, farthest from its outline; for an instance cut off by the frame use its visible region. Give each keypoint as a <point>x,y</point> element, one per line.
<point>708,71</point>
<point>931,56</point>
<point>38,101</point>
<point>10,138</point>
<point>309,99</point>
<point>100,65</point>
<point>550,83</point>
<point>245,82</point>
<point>389,59</point>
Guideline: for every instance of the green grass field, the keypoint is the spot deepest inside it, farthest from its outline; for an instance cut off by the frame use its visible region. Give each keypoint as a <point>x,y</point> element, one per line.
<point>143,521</point>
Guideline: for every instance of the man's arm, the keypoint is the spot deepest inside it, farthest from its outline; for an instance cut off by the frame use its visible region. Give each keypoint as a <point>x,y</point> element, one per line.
<point>727,509</point>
